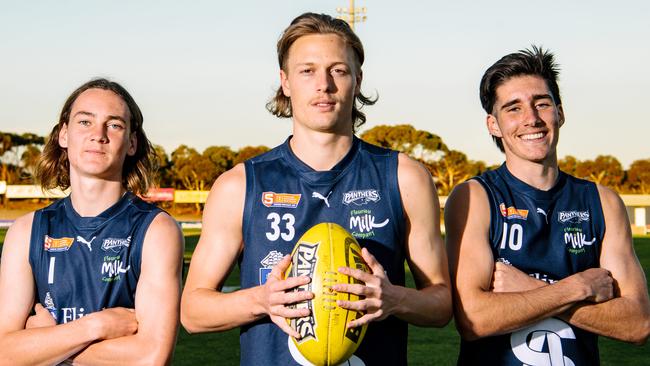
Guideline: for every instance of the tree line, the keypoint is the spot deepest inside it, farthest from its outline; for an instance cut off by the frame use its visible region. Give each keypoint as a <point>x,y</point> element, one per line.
<point>187,168</point>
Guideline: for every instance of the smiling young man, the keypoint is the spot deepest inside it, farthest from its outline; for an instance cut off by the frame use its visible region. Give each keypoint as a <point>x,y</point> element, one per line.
<point>101,268</point>
<point>257,211</point>
<point>542,262</point>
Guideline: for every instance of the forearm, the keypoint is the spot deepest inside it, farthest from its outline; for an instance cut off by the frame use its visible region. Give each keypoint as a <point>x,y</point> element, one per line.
<point>428,307</point>
<point>207,310</point>
<point>138,349</point>
<point>487,313</point>
<point>625,319</point>
<point>45,345</point>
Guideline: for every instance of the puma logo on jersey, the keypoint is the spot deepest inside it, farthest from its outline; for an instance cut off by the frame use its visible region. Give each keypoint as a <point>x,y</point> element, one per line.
<point>542,212</point>
<point>321,197</point>
<point>84,241</point>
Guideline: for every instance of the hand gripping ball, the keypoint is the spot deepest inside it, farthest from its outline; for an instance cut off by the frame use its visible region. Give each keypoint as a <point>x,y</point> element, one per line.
<point>318,254</point>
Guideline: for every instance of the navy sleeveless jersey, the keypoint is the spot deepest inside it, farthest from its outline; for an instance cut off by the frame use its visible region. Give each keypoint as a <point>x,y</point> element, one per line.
<point>549,235</point>
<point>85,264</point>
<point>284,198</point>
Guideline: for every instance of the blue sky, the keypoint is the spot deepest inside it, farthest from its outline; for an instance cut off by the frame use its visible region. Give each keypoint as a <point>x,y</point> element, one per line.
<point>202,71</point>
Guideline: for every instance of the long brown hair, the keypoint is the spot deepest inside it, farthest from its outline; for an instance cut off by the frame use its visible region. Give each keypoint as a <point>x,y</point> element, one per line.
<point>53,170</point>
<point>311,23</point>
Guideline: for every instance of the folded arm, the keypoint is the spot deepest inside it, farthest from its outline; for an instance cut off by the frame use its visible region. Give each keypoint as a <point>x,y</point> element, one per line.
<point>479,310</point>
<point>627,316</point>
<point>51,344</point>
<point>157,302</point>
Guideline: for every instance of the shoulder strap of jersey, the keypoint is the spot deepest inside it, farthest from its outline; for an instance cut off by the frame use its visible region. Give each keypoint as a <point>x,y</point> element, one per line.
<point>36,240</point>
<point>140,234</point>
<point>495,225</point>
<point>394,192</point>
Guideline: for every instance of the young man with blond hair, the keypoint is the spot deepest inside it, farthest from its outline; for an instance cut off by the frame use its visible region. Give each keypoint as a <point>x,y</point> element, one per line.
<point>258,210</point>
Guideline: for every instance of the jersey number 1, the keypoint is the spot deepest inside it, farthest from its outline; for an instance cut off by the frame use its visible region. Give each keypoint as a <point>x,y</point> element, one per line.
<point>50,274</point>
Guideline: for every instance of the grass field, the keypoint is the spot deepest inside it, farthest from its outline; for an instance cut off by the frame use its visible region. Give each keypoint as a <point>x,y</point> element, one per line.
<point>426,346</point>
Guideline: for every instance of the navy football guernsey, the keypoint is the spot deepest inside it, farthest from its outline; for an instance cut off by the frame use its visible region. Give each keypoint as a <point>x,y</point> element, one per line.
<point>550,235</point>
<point>284,198</point>
<point>85,264</point>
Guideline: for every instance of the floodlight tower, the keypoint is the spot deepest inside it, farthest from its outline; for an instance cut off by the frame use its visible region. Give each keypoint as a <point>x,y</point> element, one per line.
<point>352,15</point>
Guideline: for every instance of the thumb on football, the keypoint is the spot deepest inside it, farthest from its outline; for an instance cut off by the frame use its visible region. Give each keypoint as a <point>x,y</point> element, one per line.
<point>279,269</point>
<point>374,265</point>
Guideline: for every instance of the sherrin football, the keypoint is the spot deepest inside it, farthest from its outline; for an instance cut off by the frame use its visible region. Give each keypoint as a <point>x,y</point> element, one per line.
<point>318,254</point>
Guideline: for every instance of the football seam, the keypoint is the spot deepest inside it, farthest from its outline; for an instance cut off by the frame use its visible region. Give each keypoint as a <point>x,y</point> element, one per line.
<point>329,314</point>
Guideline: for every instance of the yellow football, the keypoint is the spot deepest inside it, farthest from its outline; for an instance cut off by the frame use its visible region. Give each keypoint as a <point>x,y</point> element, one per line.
<point>319,253</point>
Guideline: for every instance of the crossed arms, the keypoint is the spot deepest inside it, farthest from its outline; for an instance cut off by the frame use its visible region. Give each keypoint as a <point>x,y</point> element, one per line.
<point>145,335</point>
<point>494,298</point>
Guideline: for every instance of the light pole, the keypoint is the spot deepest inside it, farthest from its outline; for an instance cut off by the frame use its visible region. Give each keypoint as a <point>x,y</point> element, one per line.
<point>352,15</point>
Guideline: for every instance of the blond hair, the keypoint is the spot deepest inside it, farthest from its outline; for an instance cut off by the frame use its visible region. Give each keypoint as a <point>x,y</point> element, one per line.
<point>307,24</point>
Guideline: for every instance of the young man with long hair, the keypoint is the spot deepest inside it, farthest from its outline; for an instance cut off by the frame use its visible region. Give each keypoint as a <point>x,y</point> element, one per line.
<point>100,267</point>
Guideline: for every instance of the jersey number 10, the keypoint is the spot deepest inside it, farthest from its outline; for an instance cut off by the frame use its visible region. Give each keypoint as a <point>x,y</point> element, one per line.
<point>514,237</point>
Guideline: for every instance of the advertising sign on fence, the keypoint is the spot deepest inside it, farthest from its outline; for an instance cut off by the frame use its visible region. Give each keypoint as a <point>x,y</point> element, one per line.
<point>33,191</point>
<point>190,196</point>
<point>159,194</point>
